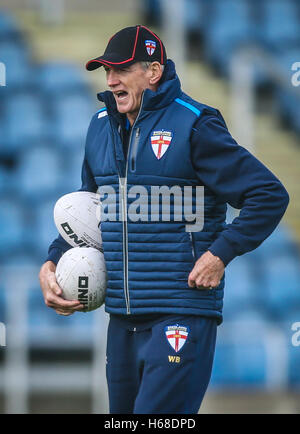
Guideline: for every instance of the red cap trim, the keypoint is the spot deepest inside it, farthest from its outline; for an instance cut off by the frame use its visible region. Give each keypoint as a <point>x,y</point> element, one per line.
<point>124,61</point>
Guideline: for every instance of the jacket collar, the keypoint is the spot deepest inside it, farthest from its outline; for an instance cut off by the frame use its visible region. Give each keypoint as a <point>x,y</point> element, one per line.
<point>168,90</point>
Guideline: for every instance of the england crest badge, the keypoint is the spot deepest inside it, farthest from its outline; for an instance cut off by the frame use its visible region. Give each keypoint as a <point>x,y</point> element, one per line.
<point>176,336</point>
<point>150,47</point>
<point>160,142</point>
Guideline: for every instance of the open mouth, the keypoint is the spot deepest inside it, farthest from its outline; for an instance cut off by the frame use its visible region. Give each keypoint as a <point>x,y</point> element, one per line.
<point>121,94</point>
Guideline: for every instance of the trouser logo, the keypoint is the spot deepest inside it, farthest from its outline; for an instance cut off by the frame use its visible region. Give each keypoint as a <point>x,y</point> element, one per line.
<point>176,336</point>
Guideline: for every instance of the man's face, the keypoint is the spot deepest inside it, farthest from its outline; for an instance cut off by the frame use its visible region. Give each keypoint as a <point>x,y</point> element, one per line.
<point>127,86</point>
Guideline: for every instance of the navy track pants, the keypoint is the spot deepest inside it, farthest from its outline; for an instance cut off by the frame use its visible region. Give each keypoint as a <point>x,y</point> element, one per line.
<point>162,366</point>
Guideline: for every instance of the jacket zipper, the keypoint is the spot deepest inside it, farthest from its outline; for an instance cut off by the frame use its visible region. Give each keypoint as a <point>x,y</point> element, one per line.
<point>192,243</point>
<point>123,186</point>
<point>134,149</point>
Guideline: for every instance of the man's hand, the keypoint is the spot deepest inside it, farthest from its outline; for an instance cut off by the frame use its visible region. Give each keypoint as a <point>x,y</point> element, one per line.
<point>207,272</point>
<point>53,293</point>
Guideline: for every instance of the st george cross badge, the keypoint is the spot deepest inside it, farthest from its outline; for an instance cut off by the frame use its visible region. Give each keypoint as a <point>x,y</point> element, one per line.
<point>150,47</point>
<point>176,336</point>
<point>160,141</point>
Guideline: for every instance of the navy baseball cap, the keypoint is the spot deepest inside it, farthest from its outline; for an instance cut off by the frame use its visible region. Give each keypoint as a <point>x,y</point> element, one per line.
<point>130,45</point>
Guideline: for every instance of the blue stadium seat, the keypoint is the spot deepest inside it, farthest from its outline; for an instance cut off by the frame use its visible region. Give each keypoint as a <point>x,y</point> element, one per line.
<point>282,285</point>
<point>226,9</point>
<point>280,23</point>
<point>9,27</point>
<point>241,353</point>
<point>22,259</point>
<point>289,107</point>
<point>43,230</point>
<point>242,287</point>
<point>73,170</point>
<point>55,79</point>
<point>19,69</point>
<point>4,184</point>
<point>9,184</point>
<point>194,15</point>
<point>72,115</point>
<point>48,329</point>
<point>152,12</point>
<point>276,266</point>
<point>293,367</point>
<point>291,327</point>
<point>280,242</point>
<point>230,27</point>
<point>2,306</point>
<point>251,364</point>
<point>26,122</point>
<point>40,174</point>
<point>3,134</point>
<point>12,234</point>
<point>223,371</point>
<point>288,96</point>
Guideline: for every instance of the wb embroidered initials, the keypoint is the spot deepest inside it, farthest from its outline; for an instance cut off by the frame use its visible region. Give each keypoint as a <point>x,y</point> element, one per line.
<point>174,359</point>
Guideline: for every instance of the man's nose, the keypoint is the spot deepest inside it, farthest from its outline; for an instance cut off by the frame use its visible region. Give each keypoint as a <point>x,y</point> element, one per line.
<point>112,78</point>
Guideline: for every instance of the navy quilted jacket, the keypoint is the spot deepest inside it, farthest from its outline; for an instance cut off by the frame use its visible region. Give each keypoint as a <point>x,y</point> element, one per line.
<point>175,142</point>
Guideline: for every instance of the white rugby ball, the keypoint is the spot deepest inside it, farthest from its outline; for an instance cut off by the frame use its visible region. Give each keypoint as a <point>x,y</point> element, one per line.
<point>81,274</point>
<point>77,218</point>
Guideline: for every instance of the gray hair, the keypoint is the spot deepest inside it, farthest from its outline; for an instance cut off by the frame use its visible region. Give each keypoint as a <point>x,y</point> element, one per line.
<point>145,65</point>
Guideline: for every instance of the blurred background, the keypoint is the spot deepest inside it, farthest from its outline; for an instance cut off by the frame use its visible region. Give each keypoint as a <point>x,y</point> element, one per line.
<point>241,56</point>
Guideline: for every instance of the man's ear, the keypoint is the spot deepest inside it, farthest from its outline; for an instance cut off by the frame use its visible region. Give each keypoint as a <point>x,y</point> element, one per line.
<point>156,72</point>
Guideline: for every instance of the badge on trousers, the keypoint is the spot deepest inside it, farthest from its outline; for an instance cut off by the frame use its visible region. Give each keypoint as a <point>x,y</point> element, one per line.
<point>176,336</point>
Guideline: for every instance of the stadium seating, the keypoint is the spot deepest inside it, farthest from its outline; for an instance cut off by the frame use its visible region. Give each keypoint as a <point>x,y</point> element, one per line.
<point>279,24</point>
<point>281,285</point>
<point>243,289</point>
<point>17,60</point>
<point>225,26</point>
<point>40,173</point>
<point>25,120</point>
<point>54,79</point>
<point>71,117</point>
<point>43,224</point>
<point>4,180</point>
<point>241,358</point>
<point>9,27</point>
<point>288,94</point>
<point>12,225</point>
<point>73,168</point>
<point>230,28</point>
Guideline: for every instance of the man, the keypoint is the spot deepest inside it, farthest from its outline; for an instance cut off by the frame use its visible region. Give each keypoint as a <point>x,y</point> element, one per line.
<point>165,283</point>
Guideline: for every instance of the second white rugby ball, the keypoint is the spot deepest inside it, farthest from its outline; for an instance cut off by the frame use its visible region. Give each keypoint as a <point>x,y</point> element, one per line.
<point>81,274</point>
<point>77,218</point>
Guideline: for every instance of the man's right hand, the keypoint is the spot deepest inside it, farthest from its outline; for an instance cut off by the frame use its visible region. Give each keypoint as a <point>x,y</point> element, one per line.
<point>53,293</point>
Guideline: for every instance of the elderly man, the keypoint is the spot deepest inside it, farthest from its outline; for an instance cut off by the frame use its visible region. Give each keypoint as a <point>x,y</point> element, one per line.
<point>165,282</point>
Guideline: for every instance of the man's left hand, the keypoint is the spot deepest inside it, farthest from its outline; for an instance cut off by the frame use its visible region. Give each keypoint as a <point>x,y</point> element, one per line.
<point>207,272</point>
